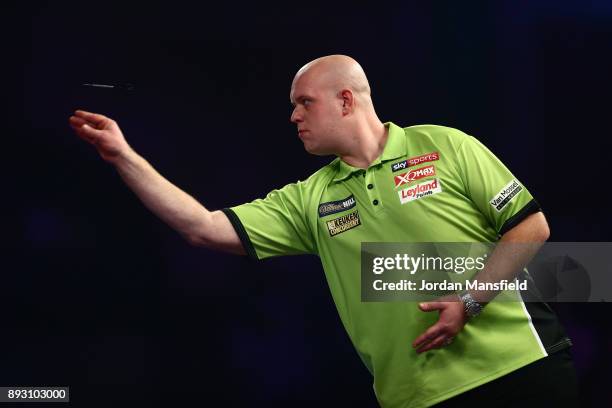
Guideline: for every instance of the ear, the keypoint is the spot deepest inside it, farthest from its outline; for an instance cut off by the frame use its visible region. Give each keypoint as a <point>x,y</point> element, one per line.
<point>348,102</point>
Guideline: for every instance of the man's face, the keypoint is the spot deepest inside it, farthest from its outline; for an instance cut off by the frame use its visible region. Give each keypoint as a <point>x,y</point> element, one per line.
<point>317,112</point>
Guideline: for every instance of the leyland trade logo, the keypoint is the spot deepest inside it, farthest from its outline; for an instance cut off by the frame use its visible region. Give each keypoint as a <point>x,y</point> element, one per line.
<point>419,191</point>
<point>415,174</point>
<point>414,161</point>
<point>506,195</point>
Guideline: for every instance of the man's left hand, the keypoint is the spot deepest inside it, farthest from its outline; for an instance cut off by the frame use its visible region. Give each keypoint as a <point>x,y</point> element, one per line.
<point>451,321</point>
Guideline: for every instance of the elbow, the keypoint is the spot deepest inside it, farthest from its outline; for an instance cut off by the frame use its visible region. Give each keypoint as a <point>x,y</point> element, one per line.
<point>197,234</point>
<point>542,234</point>
<point>534,228</point>
<point>543,228</point>
<point>194,240</point>
<point>545,232</point>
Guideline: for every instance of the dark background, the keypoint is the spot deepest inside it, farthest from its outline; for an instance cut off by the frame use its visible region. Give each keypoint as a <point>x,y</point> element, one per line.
<point>99,295</point>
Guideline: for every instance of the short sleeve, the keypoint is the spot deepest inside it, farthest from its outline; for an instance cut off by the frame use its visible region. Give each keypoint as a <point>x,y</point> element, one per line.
<point>275,225</point>
<point>503,200</point>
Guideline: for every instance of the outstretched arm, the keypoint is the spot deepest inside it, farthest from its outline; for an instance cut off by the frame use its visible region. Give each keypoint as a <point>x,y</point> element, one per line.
<point>199,226</point>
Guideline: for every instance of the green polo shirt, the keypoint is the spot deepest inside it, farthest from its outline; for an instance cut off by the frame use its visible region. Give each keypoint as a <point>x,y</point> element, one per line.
<point>431,184</point>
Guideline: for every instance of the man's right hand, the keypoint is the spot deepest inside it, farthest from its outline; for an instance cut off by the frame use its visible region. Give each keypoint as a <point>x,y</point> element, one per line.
<point>102,132</point>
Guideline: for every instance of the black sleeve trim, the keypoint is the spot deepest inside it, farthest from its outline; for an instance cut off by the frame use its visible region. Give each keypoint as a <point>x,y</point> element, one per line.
<point>242,234</point>
<point>529,208</point>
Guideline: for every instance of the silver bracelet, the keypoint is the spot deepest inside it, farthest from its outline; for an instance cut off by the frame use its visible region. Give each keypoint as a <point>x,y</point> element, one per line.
<point>472,307</point>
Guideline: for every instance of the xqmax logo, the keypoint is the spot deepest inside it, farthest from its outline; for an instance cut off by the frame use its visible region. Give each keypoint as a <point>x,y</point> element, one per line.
<point>415,174</point>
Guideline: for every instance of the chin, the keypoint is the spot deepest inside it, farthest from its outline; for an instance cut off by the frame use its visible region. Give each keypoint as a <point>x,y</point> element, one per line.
<point>316,152</point>
<point>315,148</point>
<point>310,148</point>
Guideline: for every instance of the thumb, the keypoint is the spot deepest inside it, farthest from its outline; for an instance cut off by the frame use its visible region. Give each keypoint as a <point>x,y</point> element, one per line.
<point>431,306</point>
<point>90,131</point>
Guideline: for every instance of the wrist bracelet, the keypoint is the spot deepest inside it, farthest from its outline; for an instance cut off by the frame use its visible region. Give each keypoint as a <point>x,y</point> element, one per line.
<point>472,308</point>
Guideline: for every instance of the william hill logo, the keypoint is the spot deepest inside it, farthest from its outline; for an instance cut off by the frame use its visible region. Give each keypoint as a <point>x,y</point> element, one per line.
<point>333,207</point>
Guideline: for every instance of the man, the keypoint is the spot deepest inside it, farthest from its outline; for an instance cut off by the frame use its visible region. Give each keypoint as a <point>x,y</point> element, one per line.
<point>368,194</point>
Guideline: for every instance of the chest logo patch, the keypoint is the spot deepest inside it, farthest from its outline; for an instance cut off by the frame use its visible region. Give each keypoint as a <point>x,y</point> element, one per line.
<point>414,161</point>
<point>333,207</point>
<point>343,223</point>
<point>506,195</point>
<point>415,174</point>
<point>425,189</point>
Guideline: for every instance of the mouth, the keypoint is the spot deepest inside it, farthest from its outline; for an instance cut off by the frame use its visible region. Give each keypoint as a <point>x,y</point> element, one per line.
<point>301,132</point>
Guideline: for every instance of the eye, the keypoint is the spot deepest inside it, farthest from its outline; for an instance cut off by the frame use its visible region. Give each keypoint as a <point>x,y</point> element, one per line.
<point>306,101</point>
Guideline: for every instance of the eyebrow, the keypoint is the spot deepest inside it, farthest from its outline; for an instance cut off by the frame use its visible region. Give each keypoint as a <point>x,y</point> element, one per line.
<point>299,99</point>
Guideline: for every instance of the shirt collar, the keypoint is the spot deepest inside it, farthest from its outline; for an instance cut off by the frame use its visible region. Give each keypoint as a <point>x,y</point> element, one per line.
<point>394,148</point>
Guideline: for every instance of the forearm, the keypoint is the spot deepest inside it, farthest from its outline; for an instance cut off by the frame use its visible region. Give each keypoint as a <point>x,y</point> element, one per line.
<point>511,254</point>
<point>171,204</point>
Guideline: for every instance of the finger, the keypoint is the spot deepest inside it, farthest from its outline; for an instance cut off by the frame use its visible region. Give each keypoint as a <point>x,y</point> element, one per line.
<point>438,342</point>
<point>77,122</point>
<point>94,118</point>
<point>77,125</point>
<point>89,130</point>
<point>429,334</point>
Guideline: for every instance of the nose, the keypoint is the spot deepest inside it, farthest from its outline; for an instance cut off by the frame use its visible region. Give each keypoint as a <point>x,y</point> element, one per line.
<point>296,115</point>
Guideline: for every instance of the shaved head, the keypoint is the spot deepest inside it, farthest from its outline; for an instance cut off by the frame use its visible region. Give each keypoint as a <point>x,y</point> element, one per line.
<point>339,72</point>
<point>335,73</point>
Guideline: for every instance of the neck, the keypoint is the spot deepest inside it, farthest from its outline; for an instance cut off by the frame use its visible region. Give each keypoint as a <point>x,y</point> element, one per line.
<point>366,144</point>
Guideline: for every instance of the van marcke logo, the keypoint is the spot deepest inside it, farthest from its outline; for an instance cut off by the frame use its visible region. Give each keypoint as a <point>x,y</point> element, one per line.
<point>343,223</point>
<point>414,161</point>
<point>333,207</point>
<point>415,174</point>
<point>424,189</point>
<point>506,195</point>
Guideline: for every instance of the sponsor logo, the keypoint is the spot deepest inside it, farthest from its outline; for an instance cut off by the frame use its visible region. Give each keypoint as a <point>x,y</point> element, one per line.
<point>399,166</point>
<point>415,174</point>
<point>343,223</point>
<point>333,207</point>
<point>425,189</point>
<point>413,161</point>
<point>506,195</point>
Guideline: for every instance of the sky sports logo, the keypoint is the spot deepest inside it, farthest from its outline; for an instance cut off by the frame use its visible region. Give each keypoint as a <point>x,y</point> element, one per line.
<point>413,161</point>
<point>421,190</point>
<point>415,174</point>
<point>507,193</point>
